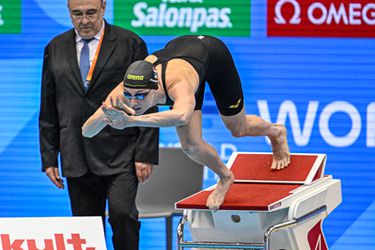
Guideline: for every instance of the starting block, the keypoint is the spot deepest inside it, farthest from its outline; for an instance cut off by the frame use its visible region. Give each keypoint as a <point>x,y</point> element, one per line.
<point>264,209</point>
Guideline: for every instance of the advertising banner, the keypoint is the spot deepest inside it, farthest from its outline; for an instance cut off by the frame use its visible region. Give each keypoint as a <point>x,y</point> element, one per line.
<point>173,17</point>
<point>52,233</point>
<point>10,16</point>
<point>323,18</point>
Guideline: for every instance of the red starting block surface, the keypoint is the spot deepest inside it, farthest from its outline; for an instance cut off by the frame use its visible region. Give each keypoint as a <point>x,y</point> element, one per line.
<point>256,186</point>
<point>243,196</point>
<point>303,168</point>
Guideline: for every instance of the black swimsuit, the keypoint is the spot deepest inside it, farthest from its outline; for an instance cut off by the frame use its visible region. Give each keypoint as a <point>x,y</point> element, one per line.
<point>213,63</point>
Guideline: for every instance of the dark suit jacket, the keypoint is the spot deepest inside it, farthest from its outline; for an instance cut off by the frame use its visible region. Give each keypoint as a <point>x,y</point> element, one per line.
<point>65,107</point>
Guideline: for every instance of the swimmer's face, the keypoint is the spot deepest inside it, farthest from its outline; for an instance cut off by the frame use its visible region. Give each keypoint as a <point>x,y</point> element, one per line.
<point>139,99</point>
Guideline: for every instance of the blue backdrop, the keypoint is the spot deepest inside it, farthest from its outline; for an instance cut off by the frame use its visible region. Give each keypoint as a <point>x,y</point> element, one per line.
<point>323,89</point>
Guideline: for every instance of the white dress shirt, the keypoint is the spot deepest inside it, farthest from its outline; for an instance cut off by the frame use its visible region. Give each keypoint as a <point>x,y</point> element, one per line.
<point>92,44</point>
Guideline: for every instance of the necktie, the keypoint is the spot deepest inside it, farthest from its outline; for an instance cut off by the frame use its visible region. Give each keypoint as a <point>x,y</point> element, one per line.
<point>84,63</point>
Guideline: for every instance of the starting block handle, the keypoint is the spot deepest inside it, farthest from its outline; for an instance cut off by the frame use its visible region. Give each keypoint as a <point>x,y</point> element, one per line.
<point>180,231</point>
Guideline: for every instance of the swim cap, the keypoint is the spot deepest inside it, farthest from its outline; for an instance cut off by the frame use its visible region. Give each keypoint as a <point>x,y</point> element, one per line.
<point>141,75</point>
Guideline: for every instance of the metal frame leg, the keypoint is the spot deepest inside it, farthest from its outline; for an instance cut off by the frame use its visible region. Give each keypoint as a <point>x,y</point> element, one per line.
<point>169,231</point>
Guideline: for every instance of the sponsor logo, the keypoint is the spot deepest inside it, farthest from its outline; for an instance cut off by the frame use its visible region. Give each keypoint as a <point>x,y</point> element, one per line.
<point>234,106</point>
<point>316,238</point>
<point>1,18</point>
<point>135,77</point>
<point>10,17</point>
<point>173,17</point>
<point>320,115</point>
<point>74,241</point>
<point>276,205</point>
<point>321,18</point>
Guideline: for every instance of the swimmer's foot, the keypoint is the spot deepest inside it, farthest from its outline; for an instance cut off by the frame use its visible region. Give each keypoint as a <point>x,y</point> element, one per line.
<point>216,198</point>
<point>280,148</point>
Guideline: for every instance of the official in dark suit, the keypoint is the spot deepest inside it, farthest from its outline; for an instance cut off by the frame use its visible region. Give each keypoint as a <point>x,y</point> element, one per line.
<point>80,68</point>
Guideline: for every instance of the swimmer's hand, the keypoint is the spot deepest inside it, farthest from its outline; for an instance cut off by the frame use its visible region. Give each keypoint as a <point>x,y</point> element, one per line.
<point>118,104</point>
<point>117,114</point>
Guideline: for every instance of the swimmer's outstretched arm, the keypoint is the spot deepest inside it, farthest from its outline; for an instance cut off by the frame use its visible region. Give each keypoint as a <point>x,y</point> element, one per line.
<point>183,108</point>
<point>96,122</point>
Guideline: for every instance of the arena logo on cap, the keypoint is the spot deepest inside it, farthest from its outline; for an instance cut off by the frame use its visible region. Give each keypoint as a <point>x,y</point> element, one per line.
<point>135,77</point>
<point>324,18</point>
<point>10,16</point>
<point>174,17</point>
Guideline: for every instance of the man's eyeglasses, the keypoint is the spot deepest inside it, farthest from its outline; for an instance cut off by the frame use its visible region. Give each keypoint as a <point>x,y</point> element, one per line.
<point>91,14</point>
<point>138,96</point>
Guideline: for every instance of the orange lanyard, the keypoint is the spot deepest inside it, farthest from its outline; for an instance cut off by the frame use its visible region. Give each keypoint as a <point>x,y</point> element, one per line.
<point>91,71</point>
